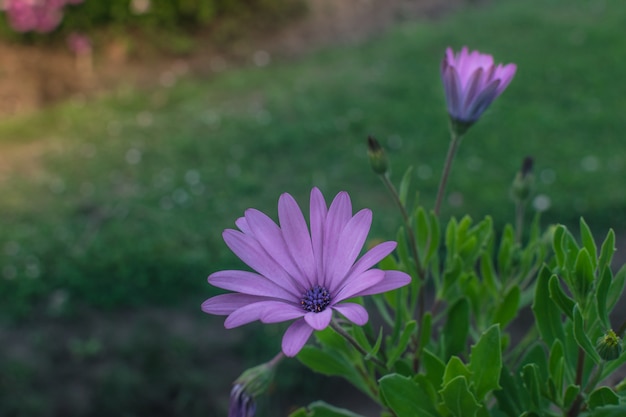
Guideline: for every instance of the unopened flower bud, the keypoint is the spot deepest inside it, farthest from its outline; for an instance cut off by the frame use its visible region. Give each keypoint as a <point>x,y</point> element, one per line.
<point>377,155</point>
<point>248,385</point>
<point>609,346</point>
<point>524,181</point>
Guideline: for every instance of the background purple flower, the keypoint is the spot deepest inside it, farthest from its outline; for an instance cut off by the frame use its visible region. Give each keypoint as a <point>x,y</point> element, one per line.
<point>301,275</point>
<point>471,82</point>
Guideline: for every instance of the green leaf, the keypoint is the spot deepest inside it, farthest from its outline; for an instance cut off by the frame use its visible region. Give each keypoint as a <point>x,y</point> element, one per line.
<point>508,397</point>
<point>530,374</point>
<point>406,397</point>
<point>557,246</point>
<point>610,411</point>
<point>565,303</point>
<point>331,363</point>
<point>602,292</point>
<point>607,250</point>
<point>456,328</point>
<point>322,409</point>
<point>581,337</point>
<point>547,314</point>
<point>488,274</point>
<point>602,396</point>
<point>458,399</point>
<point>556,367</point>
<point>404,185</point>
<point>451,240</point>
<point>588,241</point>
<point>433,367</point>
<point>486,362</point>
<point>422,231</point>
<point>617,286</point>
<point>426,330</point>
<point>570,395</point>
<point>505,253</point>
<point>435,236</point>
<point>583,275</point>
<point>454,368</point>
<point>402,343</point>
<point>508,307</point>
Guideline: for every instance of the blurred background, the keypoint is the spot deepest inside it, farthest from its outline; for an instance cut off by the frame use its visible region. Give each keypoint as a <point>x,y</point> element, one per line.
<point>132,132</point>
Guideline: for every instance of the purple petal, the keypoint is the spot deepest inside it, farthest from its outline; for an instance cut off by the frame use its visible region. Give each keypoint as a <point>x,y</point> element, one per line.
<point>392,281</point>
<point>356,313</point>
<point>317,213</point>
<point>250,283</point>
<point>482,101</point>
<point>242,224</point>
<point>227,303</point>
<point>251,312</point>
<point>283,312</point>
<point>270,237</point>
<point>250,252</point>
<point>372,257</point>
<point>319,321</point>
<point>296,234</point>
<point>505,74</point>
<point>358,283</point>
<point>295,337</point>
<point>349,246</point>
<point>339,214</point>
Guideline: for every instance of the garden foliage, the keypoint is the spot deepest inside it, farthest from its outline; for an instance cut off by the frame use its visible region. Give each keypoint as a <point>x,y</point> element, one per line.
<point>446,344</point>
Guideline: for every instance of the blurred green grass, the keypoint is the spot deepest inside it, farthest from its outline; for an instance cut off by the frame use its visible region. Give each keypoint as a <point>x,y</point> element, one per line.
<point>121,201</point>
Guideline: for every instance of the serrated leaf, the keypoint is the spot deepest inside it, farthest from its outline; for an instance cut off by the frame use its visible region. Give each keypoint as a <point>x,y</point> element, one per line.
<point>456,328</point>
<point>547,314</point>
<point>486,362</point>
<point>458,399</point>
<point>322,409</point>
<point>562,300</point>
<point>405,397</point>
<point>581,337</point>
<point>602,396</point>
<point>508,397</point>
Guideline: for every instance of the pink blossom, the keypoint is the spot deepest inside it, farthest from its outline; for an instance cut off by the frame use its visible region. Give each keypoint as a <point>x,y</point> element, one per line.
<point>471,82</point>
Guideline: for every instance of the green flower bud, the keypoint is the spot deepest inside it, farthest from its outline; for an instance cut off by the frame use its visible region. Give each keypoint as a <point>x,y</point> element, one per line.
<point>377,155</point>
<point>609,346</point>
<point>252,382</point>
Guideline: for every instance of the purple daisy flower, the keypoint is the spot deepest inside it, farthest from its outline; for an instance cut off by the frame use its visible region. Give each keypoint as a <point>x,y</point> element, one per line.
<point>471,82</point>
<point>301,275</point>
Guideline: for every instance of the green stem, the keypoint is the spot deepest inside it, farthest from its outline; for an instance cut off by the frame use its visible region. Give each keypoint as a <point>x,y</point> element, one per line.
<point>336,327</point>
<point>454,144</point>
<point>580,365</point>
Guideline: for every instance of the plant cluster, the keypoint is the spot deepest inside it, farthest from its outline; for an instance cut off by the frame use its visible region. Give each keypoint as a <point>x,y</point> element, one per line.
<point>446,300</point>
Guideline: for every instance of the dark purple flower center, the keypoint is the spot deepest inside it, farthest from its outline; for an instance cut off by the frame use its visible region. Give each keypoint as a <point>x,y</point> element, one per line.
<point>316,299</point>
